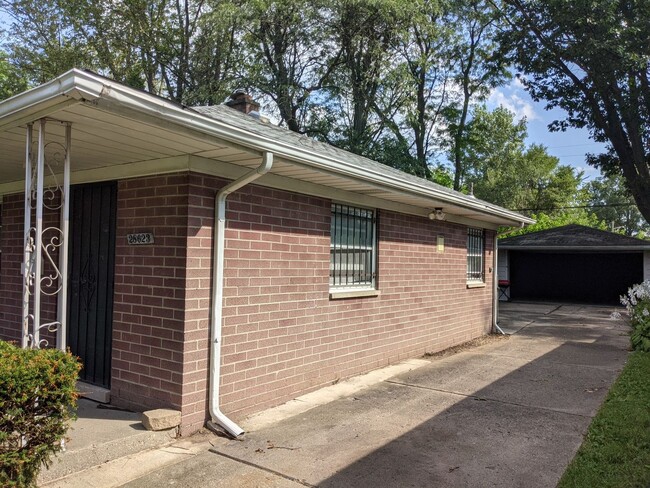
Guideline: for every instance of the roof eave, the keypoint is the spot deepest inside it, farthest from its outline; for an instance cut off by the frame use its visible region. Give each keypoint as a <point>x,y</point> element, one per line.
<point>76,86</point>
<point>639,248</point>
<point>71,87</point>
<point>143,102</point>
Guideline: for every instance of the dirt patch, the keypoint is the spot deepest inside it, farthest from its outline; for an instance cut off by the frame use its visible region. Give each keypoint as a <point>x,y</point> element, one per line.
<point>466,346</point>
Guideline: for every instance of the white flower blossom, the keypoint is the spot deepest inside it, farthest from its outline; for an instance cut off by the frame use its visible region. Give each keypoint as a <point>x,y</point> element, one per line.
<point>636,294</point>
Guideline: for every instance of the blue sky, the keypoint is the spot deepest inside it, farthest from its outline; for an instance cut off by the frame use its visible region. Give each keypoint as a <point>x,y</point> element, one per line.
<point>570,146</point>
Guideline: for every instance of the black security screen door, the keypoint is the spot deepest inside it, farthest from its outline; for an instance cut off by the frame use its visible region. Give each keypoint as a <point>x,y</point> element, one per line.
<point>91,273</point>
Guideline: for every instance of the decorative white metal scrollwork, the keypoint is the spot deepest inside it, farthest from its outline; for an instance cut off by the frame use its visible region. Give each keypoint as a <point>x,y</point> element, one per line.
<point>51,283</point>
<point>51,327</point>
<point>29,275</point>
<point>55,158</point>
<point>55,154</point>
<point>43,276</point>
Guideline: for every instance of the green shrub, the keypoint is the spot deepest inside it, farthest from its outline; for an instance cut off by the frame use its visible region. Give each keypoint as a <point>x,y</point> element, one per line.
<point>637,304</point>
<point>37,399</point>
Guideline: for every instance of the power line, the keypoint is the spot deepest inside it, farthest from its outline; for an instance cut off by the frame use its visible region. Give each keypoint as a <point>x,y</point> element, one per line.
<point>570,155</point>
<point>576,145</point>
<point>576,206</point>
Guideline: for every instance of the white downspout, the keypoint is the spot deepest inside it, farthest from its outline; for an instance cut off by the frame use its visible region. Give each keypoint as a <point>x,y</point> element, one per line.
<point>495,286</point>
<point>219,239</point>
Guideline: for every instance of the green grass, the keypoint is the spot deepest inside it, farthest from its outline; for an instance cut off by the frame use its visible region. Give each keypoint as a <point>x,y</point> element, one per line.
<point>616,449</point>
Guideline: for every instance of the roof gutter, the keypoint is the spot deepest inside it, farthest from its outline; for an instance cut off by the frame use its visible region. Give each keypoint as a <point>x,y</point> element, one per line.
<point>87,86</point>
<point>103,92</point>
<point>577,248</point>
<point>68,89</point>
<point>218,259</point>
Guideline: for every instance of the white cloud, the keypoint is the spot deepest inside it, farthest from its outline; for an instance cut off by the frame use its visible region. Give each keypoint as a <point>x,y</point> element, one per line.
<point>513,101</point>
<point>517,84</point>
<point>590,173</point>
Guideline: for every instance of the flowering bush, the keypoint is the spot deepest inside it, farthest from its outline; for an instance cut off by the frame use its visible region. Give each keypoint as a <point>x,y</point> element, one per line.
<point>637,304</point>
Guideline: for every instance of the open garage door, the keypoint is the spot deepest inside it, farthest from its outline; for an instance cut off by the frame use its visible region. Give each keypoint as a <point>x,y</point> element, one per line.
<point>573,277</point>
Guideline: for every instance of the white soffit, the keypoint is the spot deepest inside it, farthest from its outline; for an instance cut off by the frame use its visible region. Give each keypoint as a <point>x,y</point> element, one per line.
<point>110,130</point>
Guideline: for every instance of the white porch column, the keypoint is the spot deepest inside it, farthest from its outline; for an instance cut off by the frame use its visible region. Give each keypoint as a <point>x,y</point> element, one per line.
<point>28,243</point>
<point>61,336</point>
<point>38,244</point>
<point>43,275</point>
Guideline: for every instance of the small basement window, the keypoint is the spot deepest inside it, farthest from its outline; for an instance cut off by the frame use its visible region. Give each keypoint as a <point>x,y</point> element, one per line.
<point>475,255</point>
<point>353,248</point>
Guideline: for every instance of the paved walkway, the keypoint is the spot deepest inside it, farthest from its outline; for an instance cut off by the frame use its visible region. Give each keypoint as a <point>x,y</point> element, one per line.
<point>511,413</point>
<point>102,433</point>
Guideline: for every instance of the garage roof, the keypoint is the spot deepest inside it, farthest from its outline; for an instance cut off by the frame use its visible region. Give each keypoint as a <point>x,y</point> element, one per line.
<point>574,237</point>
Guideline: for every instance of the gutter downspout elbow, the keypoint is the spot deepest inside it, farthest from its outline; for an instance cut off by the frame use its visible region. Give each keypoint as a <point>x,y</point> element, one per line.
<point>219,239</point>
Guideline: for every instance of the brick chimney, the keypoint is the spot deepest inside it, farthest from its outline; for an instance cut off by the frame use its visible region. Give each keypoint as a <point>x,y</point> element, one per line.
<point>242,101</point>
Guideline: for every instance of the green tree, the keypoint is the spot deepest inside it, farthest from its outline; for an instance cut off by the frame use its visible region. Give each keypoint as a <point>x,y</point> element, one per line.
<point>289,54</point>
<point>42,42</point>
<point>544,220</point>
<point>549,185</point>
<point>480,67</point>
<point>591,59</point>
<point>147,44</point>
<point>11,80</point>
<point>144,43</point>
<point>215,60</point>
<point>420,85</point>
<point>611,202</point>
<point>366,31</point>
<point>502,170</point>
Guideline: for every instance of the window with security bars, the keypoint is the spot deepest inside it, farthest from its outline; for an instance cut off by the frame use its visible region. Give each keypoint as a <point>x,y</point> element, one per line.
<point>475,255</point>
<point>353,249</point>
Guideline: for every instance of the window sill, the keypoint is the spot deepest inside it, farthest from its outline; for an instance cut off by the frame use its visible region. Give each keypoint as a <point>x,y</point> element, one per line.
<point>472,284</point>
<point>340,294</point>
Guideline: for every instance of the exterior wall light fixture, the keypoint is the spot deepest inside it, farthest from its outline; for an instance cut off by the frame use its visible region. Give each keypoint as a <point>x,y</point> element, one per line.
<point>437,214</point>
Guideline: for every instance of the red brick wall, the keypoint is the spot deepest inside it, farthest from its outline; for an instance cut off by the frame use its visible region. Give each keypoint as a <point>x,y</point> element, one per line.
<point>11,283</point>
<point>202,192</point>
<point>11,280</point>
<point>149,308</point>
<point>282,335</point>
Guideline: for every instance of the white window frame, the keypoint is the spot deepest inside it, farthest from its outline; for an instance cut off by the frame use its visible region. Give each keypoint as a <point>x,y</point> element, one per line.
<point>360,238</point>
<point>475,255</point>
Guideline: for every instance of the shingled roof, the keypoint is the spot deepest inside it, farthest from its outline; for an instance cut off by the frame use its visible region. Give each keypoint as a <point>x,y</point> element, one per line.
<point>574,237</point>
<point>252,124</point>
<point>143,134</point>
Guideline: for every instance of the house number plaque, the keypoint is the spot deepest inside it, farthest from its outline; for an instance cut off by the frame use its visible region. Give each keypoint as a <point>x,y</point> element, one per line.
<point>139,239</point>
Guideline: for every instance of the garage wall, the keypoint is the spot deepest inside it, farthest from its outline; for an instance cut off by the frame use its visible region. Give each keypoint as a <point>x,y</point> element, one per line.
<point>502,265</point>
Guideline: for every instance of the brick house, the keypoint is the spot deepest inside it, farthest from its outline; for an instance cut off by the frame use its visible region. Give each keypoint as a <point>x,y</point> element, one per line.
<point>321,265</point>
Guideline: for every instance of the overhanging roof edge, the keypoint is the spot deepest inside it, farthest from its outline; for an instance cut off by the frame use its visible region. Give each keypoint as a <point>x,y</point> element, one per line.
<point>90,87</point>
<point>639,248</point>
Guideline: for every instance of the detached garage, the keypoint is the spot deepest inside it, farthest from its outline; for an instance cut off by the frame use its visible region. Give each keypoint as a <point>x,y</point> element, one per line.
<point>572,263</point>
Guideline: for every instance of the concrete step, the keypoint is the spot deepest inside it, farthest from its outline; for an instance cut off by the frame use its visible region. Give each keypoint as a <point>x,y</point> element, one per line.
<point>99,435</point>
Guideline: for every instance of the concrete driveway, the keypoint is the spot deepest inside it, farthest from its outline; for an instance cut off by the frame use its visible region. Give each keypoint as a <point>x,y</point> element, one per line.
<point>511,413</point>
